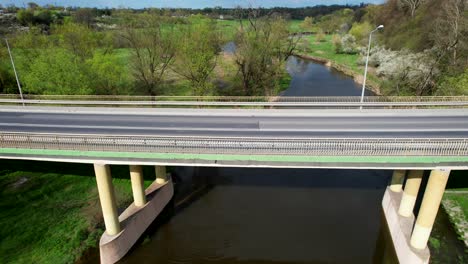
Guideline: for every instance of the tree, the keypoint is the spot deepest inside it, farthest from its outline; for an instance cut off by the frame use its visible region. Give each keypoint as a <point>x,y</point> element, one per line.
<point>196,54</point>
<point>25,17</point>
<point>78,39</point>
<point>361,31</point>
<point>84,16</point>
<point>43,17</point>
<point>262,47</point>
<point>32,5</point>
<point>451,29</point>
<point>153,51</point>
<point>412,5</point>
<point>109,76</point>
<point>56,71</point>
<point>307,24</point>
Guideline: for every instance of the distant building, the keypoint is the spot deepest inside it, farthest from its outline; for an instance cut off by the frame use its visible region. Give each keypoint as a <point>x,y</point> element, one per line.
<point>221,17</point>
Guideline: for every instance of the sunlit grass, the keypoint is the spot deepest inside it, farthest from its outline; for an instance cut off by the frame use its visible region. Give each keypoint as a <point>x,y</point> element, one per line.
<point>52,217</point>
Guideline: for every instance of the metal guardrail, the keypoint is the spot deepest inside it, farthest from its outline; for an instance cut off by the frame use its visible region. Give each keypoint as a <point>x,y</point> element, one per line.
<point>245,146</point>
<point>240,98</point>
<point>349,99</point>
<point>233,104</point>
<point>312,102</point>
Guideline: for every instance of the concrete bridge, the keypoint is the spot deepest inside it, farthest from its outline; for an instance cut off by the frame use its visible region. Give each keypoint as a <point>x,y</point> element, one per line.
<point>405,136</point>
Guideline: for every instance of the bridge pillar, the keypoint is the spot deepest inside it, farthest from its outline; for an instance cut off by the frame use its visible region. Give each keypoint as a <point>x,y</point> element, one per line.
<point>161,176</point>
<point>138,186</point>
<point>410,193</point>
<point>107,198</point>
<point>397,180</point>
<point>429,207</point>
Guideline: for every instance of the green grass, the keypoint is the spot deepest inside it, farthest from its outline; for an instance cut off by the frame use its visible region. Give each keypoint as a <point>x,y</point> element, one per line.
<point>460,197</point>
<point>455,202</point>
<point>50,212</point>
<point>295,25</point>
<point>325,49</point>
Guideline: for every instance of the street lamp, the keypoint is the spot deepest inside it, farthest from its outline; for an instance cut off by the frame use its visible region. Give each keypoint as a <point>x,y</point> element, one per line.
<point>367,63</point>
<point>14,69</point>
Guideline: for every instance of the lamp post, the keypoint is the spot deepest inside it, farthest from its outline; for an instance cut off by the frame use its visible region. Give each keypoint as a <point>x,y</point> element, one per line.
<point>14,69</point>
<point>367,63</point>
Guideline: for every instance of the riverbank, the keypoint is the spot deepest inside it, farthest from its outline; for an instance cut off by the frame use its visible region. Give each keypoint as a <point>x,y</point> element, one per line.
<point>52,217</point>
<point>323,52</point>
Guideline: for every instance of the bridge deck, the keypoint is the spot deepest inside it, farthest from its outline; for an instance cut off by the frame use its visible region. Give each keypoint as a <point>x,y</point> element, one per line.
<point>239,137</point>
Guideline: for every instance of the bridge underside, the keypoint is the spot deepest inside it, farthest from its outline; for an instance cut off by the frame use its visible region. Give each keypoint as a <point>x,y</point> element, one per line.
<point>237,160</point>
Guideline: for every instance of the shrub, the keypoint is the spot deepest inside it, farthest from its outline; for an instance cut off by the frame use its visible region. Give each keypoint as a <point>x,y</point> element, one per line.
<point>348,44</point>
<point>336,40</point>
<point>345,44</point>
<point>56,71</point>
<point>25,17</point>
<point>406,73</point>
<point>320,36</point>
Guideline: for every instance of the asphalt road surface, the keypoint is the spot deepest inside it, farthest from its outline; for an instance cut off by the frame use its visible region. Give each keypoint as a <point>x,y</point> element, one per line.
<point>286,123</point>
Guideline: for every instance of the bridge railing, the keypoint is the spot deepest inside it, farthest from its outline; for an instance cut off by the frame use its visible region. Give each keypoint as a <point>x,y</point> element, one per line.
<point>239,101</point>
<point>244,146</point>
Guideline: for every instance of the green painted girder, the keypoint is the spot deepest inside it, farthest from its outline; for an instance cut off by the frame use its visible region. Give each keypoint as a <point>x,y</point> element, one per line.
<point>236,157</point>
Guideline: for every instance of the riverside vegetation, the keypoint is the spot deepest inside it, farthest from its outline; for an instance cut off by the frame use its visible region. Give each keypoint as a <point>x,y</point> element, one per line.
<point>179,52</point>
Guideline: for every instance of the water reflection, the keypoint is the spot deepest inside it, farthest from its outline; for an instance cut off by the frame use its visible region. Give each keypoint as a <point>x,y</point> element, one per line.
<point>313,79</point>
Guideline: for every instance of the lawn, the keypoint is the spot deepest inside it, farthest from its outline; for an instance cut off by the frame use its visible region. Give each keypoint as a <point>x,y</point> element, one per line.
<point>50,212</point>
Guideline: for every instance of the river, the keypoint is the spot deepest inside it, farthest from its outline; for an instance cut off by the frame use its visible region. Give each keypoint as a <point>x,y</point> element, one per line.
<point>239,215</point>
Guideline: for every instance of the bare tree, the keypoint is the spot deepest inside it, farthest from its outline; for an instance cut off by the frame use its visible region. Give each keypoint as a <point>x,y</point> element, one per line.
<point>84,16</point>
<point>153,51</point>
<point>196,54</point>
<point>412,5</point>
<point>450,31</point>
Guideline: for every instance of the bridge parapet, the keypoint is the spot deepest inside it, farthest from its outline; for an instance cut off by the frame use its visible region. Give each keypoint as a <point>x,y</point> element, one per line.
<point>241,101</point>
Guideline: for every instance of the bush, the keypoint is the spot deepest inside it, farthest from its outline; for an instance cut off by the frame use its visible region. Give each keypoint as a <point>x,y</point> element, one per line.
<point>336,40</point>
<point>320,36</point>
<point>345,44</point>
<point>57,71</point>
<point>454,85</point>
<point>25,17</point>
<point>109,74</point>
<point>406,73</point>
<point>348,44</point>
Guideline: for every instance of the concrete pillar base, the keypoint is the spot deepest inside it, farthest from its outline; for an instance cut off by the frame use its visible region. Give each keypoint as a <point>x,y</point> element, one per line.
<point>134,221</point>
<point>400,230</point>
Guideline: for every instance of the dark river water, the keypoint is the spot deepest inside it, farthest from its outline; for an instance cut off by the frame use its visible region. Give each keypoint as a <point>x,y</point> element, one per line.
<point>240,215</point>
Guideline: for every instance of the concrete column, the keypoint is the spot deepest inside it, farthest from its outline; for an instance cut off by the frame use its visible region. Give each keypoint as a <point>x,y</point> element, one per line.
<point>161,176</point>
<point>138,186</point>
<point>410,193</point>
<point>397,180</point>
<point>107,198</point>
<point>429,207</point>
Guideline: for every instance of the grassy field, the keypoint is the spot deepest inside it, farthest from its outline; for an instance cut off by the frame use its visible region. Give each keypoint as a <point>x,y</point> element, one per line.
<point>51,211</point>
